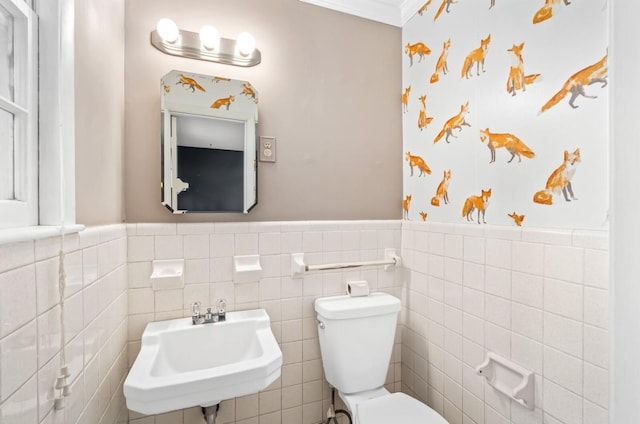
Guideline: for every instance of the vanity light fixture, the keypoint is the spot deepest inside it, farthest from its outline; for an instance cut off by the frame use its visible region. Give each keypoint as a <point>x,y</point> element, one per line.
<point>205,45</point>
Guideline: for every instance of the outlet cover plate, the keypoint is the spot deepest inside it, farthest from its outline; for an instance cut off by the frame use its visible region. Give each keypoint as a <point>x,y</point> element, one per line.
<point>267,149</point>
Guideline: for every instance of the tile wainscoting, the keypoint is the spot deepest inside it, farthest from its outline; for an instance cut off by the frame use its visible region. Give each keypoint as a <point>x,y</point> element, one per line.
<point>538,297</point>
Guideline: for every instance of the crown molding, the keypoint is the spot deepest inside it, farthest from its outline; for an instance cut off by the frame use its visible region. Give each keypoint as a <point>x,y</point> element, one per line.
<point>390,12</point>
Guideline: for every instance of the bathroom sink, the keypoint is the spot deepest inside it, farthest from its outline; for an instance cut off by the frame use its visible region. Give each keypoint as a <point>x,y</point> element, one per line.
<point>181,365</point>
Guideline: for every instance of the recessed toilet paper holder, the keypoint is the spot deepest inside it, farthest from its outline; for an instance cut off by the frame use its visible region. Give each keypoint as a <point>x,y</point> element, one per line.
<point>509,379</point>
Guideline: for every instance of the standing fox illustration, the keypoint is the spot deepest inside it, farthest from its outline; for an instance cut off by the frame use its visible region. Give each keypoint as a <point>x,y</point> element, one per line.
<point>455,122</point>
<point>248,91</point>
<point>476,202</point>
<point>225,101</point>
<point>189,83</point>
<point>442,192</point>
<point>513,144</point>
<point>577,82</point>
<point>516,218</point>
<point>419,49</point>
<point>441,65</point>
<point>444,6</point>
<point>405,99</point>
<point>423,119</point>
<point>419,162</point>
<point>423,215</point>
<point>560,180</point>
<point>476,56</point>
<point>405,206</point>
<point>517,79</point>
<point>546,11</point>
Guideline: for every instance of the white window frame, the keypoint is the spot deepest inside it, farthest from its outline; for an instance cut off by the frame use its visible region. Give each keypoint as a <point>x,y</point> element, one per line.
<point>55,149</point>
<point>23,210</point>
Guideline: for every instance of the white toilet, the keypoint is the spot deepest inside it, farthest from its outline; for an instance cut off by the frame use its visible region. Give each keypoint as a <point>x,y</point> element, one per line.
<point>356,339</point>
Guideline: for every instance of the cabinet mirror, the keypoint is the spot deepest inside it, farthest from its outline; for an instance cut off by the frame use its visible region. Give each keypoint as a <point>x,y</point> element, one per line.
<point>208,143</point>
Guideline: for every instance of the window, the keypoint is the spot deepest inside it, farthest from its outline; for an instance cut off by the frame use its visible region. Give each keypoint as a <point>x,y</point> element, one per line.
<point>37,173</point>
<point>18,115</point>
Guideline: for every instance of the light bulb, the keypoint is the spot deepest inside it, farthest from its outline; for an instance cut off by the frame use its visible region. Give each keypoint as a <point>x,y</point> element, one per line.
<point>246,43</point>
<point>209,37</point>
<point>168,30</point>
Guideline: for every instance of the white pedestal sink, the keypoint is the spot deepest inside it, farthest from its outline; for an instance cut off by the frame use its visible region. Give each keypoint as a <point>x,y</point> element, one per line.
<point>181,365</point>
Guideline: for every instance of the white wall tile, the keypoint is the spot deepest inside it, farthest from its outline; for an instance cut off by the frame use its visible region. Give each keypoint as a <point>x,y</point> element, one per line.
<point>596,307</point>
<point>527,352</point>
<point>20,407</point>
<point>19,359</point>
<point>596,271</point>
<point>563,369</point>
<point>562,404</point>
<point>498,253</point>
<point>16,255</point>
<point>564,263</point>
<point>18,298</point>
<point>563,334</point>
<point>596,385</point>
<point>196,246</point>
<point>528,257</point>
<point>140,248</point>
<point>527,289</point>
<point>498,282</point>
<point>564,299</point>
<point>497,310</point>
<point>596,346</point>
<point>474,249</point>
<point>527,321</point>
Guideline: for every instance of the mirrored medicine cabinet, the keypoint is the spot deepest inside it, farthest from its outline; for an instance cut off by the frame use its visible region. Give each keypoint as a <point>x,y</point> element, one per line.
<point>208,143</point>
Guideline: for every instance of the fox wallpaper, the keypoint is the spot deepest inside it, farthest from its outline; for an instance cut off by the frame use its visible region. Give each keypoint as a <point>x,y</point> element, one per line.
<point>505,113</point>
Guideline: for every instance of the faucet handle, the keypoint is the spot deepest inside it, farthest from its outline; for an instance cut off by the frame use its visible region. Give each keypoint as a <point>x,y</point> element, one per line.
<point>222,306</point>
<point>195,309</point>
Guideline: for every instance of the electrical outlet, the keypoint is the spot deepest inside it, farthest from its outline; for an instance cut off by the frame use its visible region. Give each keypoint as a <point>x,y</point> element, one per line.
<point>267,149</point>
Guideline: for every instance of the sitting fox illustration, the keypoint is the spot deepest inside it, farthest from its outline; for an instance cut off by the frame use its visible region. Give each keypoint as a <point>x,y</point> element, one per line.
<point>476,56</point>
<point>424,7</point>
<point>419,49</point>
<point>419,162</point>
<point>189,82</point>
<point>405,99</point>
<point>560,180</point>
<point>455,122</point>
<point>423,119</point>
<point>516,218</point>
<point>442,192</point>
<point>225,101</point>
<point>513,144</point>
<point>546,11</point>
<point>444,6</point>
<point>441,64</point>
<point>423,215</point>
<point>517,79</point>
<point>405,206</point>
<point>476,202</point>
<point>578,81</point>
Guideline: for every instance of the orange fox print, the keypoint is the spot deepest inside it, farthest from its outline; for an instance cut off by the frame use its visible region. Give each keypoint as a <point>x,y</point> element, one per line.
<point>443,7</point>
<point>441,64</point>
<point>493,3</point>
<point>166,88</point>
<point>560,180</point>
<point>442,192</point>
<point>516,218</point>
<point>418,162</point>
<point>455,122</point>
<point>513,144</point>
<point>218,79</point>
<point>405,99</point>
<point>546,11</point>
<point>596,73</point>
<point>423,215</point>
<point>189,82</point>
<point>479,203</point>
<point>405,206</point>
<point>476,56</point>
<point>517,79</point>
<point>423,119</point>
<point>225,101</point>
<point>419,49</point>
<point>424,7</point>
<point>248,91</point>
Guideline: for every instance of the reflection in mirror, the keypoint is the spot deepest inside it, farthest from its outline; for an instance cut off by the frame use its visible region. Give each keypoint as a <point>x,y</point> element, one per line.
<point>209,129</point>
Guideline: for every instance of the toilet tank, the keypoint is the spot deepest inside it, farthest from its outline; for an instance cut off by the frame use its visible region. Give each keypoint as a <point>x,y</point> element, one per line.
<point>356,339</point>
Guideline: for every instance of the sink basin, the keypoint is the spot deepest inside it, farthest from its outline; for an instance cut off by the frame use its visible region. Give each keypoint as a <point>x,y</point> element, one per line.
<point>181,365</point>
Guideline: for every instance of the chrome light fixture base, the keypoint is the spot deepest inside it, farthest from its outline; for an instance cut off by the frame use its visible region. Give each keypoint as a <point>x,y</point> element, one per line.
<point>189,45</point>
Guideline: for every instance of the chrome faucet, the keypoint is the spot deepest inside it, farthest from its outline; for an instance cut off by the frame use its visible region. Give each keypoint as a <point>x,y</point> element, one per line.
<point>198,318</point>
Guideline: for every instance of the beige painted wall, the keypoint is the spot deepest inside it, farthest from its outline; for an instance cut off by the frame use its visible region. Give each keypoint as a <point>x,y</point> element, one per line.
<point>99,90</point>
<point>329,86</point>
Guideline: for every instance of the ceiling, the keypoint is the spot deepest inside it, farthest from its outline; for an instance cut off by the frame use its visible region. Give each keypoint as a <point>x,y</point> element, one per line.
<point>391,12</point>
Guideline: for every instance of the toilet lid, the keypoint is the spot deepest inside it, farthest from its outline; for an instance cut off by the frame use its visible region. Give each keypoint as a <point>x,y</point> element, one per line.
<point>396,408</point>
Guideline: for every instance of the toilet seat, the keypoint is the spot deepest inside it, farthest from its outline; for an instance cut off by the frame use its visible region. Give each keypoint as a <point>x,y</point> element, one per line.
<point>396,408</point>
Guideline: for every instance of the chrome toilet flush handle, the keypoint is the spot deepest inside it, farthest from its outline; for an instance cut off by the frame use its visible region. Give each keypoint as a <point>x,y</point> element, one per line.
<point>320,324</point>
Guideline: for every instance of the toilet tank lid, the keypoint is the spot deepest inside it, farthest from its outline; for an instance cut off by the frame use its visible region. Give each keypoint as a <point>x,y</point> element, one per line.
<point>347,307</point>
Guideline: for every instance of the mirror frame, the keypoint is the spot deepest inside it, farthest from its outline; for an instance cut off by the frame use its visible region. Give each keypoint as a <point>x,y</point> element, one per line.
<point>211,97</point>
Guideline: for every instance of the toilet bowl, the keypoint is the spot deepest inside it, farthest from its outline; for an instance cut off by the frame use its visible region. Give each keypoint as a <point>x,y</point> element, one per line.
<point>358,370</point>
